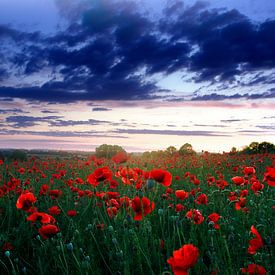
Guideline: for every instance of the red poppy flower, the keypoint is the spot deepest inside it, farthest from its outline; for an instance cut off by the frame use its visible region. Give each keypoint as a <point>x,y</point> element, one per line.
<point>42,217</point>
<point>195,215</point>
<point>240,204</point>
<point>249,170</point>
<point>120,157</point>
<point>162,176</point>
<point>7,246</point>
<point>54,210</point>
<point>71,213</point>
<point>214,217</point>
<point>127,175</point>
<point>47,231</point>
<point>255,243</point>
<point>112,211</point>
<point>238,180</point>
<point>99,174</point>
<point>256,186</point>
<point>142,207</point>
<point>269,176</point>
<point>55,193</point>
<point>202,199</point>
<point>181,194</point>
<point>254,269</point>
<point>221,184</point>
<point>183,259</point>
<point>179,207</point>
<point>26,201</point>
<point>44,189</point>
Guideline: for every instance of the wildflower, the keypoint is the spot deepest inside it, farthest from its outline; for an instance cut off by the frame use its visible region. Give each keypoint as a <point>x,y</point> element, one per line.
<point>238,180</point>
<point>181,194</point>
<point>99,174</point>
<point>254,269</point>
<point>71,213</point>
<point>162,176</point>
<point>42,217</point>
<point>269,176</point>
<point>195,215</point>
<point>183,259</point>
<point>120,157</point>
<point>26,201</point>
<point>214,217</point>
<point>54,210</point>
<point>256,242</point>
<point>201,199</point>
<point>47,231</point>
<point>142,207</point>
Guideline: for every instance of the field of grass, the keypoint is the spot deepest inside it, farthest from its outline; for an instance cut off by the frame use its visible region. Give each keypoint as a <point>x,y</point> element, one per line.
<point>197,214</point>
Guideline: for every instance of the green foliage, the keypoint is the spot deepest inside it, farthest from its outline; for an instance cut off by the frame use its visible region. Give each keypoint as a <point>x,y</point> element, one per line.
<point>108,151</point>
<point>171,150</point>
<point>186,149</point>
<point>19,155</point>
<point>259,148</point>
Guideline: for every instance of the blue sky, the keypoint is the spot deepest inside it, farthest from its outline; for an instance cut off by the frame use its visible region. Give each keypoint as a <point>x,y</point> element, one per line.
<point>76,74</point>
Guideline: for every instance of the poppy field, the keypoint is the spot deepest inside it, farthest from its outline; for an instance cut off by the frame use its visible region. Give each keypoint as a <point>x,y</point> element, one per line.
<point>193,214</point>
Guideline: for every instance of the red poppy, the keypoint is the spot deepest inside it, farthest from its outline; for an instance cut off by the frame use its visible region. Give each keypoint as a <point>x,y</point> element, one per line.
<point>202,199</point>
<point>127,175</point>
<point>254,269</point>
<point>55,193</point>
<point>181,194</point>
<point>44,189</point>
<point>249,170</point>
<point>256,186</point>
<point>54,210</point>
<point>195,215</point>
<point>26,201</point>
<point>183,259</point>
<point>47,231</point>
<point>162,176</point>
<point>112,211</point>
<point>240,204</point>
<point>238,180</point>
<point>256,242</point>
<point>7,246</point>
<point>120,157</point>
<point>179,207</point>
<point>221,184</point>
<point>214,217</point>
<point>142,207</point>
<point>71,213</point>
<point>42,217</point>
<point>99,174</point>
<point>269,176</point>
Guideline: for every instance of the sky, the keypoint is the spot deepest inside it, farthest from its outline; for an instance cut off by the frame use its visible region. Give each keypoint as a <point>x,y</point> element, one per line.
<point>75,74</point>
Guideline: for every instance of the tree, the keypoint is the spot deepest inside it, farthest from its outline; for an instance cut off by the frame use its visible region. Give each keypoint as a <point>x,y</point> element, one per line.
<point>186,149</point>
<point>171,150</point>
<point>259,148</point>
<point>108,151</point>
<point>18,155</point>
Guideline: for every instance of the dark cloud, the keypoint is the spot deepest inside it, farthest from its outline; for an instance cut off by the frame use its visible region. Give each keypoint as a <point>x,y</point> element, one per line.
<point>216,97</point>
<point>60,133</point>
<point>110,49</point>
<point>100,109</point>
<point>169,132</point>
<point>13,110</point>
<point>28,121</point>
<point>62,123</point>
<point>232,120</point>
<point>211,125</point>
